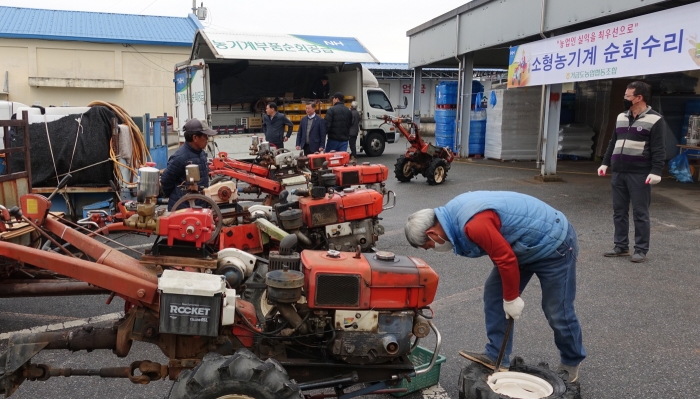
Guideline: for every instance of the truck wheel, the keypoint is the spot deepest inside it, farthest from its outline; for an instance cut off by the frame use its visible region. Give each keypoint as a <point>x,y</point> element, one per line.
<point>374,144</point>
<point>240,376</point>
<point>402,169</point>
<point>473,382</point>
<point>437,171</point>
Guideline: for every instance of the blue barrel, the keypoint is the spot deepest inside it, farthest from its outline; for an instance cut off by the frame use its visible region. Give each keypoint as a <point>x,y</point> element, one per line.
<point>477,87</point>
<point>446,93</point>
<point>477,132</point>
<point>445,127</point>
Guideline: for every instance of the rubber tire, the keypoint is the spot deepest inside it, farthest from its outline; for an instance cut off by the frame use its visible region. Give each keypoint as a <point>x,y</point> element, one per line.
<point>434,165</point>
<point>242,374</point>
<point>254,296</point>
<point>399,170</point>
<point>367,147</point>
<point>472,381</point>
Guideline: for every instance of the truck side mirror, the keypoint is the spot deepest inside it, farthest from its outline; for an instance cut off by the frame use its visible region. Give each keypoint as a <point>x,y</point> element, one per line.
<point>405,103</point>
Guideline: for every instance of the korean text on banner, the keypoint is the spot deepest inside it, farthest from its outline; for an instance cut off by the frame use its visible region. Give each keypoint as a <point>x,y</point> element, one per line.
<point>664,41</point>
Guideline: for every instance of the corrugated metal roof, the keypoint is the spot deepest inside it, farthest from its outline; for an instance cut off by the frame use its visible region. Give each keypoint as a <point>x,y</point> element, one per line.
<point>404,66</point>
<point>31,23</point>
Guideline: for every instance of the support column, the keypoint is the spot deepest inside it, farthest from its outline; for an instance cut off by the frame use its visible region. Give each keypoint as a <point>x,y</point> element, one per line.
<point>417,77</point>
<point>550,138</point>
<point>464,104</point>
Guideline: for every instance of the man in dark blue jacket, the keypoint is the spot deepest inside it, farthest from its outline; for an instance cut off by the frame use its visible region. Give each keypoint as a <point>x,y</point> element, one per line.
<point>312,131</point>
<point>273,126</point>
<point>192,152</point>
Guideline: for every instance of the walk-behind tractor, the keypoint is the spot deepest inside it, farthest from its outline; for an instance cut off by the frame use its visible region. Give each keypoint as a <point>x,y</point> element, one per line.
<point>421,157</point>
<point>332,319</point>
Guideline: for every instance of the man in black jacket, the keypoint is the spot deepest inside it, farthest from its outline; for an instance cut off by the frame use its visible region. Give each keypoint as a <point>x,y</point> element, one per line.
<point>192,152</point>
<point>636,153</point>
<point>338,122</point>
<point>273,126</point>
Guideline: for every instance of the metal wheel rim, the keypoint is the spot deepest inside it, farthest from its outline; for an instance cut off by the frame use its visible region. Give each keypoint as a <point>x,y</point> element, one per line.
<point>519,385</point>
<point>375,144</point>
<point>236,396</point>
<point>406,169</point>
<point>439,174</point>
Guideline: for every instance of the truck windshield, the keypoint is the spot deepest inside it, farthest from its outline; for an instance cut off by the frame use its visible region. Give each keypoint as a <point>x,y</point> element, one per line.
<point>377,99</point>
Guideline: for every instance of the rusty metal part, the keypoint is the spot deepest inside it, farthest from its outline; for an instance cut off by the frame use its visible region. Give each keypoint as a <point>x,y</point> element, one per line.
<point>10,289</point>
<point>112,279</point>
<point>103,253</point>
<point>48,237</point>
<point>151,261</point>
<point>292,317</point>
<point>22,347</point>
<point>379,392</point>
<point>149,371</point>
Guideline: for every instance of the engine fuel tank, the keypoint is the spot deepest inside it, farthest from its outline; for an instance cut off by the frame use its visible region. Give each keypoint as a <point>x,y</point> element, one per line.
<point>350,175</point>
<point>333,158</point>
<point>341,207</point>
<point>339,280</point>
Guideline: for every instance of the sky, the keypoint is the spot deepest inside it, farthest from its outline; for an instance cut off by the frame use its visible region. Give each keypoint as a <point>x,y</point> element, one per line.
<point>380,25</point>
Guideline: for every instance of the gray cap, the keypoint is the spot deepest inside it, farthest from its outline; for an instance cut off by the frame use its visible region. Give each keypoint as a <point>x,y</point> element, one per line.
<point>198,126</point>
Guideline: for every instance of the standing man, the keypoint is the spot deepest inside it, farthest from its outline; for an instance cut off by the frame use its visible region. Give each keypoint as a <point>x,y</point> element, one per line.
<point>312,131</point>
<point>636,153</point>
<point>321,90</point>
<point>523,236</point>
<point>273,126</point>
<point>354,130</point>
<point>196,134</point>
<point>338,121</point>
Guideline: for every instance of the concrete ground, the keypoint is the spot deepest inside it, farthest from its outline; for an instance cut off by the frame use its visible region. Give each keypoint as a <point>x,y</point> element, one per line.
<point>639,320</point>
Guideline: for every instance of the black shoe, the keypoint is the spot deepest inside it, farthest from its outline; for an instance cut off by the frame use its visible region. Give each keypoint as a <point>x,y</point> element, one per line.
<point>617,251</point>
<point>638,257</point>
<point>483,359</point>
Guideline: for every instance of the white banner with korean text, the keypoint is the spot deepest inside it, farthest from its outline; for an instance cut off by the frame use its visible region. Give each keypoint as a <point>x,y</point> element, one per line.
<point>664,41</point>
<point>278,47</point>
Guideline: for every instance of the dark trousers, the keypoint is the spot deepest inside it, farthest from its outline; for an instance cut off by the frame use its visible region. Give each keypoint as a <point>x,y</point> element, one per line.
<point>626,188</point>
<point>353,145</point>
<point>306,149</point>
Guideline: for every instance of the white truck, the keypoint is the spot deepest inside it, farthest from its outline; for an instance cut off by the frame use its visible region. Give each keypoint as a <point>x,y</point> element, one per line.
<point>229,78</point>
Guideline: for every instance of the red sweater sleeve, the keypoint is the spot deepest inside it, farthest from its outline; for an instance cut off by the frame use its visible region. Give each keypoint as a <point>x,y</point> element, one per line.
<point>484,230</point>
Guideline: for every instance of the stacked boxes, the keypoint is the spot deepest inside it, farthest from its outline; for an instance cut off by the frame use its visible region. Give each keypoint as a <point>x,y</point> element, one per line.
<point>512,124</point>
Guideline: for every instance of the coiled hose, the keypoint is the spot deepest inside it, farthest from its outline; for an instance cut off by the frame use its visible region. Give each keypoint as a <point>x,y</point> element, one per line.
<point>140,153</point>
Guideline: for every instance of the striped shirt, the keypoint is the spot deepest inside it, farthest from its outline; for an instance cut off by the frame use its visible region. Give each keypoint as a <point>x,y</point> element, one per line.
<point>637,146</point>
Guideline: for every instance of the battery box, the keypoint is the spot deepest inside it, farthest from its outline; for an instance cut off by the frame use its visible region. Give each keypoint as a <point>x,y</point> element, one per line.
<point>190,303</point>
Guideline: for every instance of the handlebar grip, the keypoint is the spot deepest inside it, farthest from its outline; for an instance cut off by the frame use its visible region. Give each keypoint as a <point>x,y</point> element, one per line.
<point>63,181</point>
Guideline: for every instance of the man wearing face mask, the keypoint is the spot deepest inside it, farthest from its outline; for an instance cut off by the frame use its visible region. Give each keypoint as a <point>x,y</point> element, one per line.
<point>523,236</point>
<point>636,153</point>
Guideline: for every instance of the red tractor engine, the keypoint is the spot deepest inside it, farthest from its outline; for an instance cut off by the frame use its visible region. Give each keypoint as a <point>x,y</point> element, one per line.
<point>191,224</point>
<point>334,159</point>
<point>371,302</point>
<point>341,207</point>
<point>365,174</point>
<point>343,280</point>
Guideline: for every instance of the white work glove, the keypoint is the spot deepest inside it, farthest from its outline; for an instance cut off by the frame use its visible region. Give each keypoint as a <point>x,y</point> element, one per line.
<point>653,179</point>
<point>602,170</point>
<point>513,308</point>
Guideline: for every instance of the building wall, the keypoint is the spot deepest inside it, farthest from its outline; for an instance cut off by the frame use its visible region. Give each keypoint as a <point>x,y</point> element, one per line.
<point>138,78</point>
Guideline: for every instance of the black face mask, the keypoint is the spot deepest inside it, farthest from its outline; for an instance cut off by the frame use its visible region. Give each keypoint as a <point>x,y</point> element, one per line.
<point>627,104</point>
